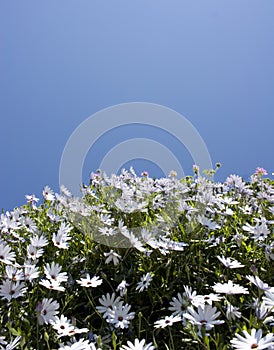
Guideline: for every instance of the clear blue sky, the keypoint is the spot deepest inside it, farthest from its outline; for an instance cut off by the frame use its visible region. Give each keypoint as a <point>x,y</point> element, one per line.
<point>62,61</point>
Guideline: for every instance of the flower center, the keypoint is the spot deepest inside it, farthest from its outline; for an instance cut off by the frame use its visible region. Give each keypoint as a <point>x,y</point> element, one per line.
<point>254,346</point>
<point>120,318</point>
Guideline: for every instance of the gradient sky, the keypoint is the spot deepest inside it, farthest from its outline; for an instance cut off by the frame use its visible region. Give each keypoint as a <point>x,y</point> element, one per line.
<point>62,61</point>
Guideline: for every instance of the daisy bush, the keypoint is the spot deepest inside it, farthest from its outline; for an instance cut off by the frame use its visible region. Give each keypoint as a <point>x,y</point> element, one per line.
<point>139,263</point>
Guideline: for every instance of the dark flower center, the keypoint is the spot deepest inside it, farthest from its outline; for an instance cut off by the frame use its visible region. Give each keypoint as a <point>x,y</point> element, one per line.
<point>254,346</point>
<point>120,318</point>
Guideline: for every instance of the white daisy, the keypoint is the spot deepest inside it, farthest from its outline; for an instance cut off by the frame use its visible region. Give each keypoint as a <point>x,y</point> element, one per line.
<point>204,316</point>
<point>229,288</point>
<point>107,302</point>
<point>53,272</point>
<point>62,325</point>
<point>7,256</point>
<point>31,272</point>
<point>12,345</point>
<point>38,241</point>
<point>34,252</point>
<point>258,282</point>
<point>179,305</point>
<point>12,290</point>
<point>252,341</point>
<point>52,284</point>
<point>14,274</point>
<point>78,345</point>
<point>48,194</point>
<point>138,345</point>
<point>47,310</point>
<point>122,288</point>
<point>144,282</point>
<point>111,256</point>
<point>167,321</point>
<point>231,264</point>
<point>120,316</point>
<point>232,312</point>
<point>87,282</point>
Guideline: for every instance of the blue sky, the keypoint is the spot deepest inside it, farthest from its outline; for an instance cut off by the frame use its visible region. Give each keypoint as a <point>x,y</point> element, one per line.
<point>62,61</point>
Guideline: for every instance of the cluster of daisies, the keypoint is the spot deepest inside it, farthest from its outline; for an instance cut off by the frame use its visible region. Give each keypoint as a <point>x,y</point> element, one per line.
<point>140,264</point>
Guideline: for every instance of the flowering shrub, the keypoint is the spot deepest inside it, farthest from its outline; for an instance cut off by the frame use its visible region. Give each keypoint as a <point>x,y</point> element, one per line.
<point>141,264</point>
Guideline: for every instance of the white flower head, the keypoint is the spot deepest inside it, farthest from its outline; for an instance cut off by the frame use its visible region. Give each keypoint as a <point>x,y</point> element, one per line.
<point>258,282</point>
<point>168,321</point>
<point>107,302</point>
<point>229,288</point>
<point>137,345</point>
<point>231,264</point>
<point>122,288</point>
<point>254,340</point>
<point>12,290</point>
<point>120,316</point>
<point>144,282</point>
<point>111,256</point>
<point>204,316</point>
<point>47,310</point>
<point>87,282</point>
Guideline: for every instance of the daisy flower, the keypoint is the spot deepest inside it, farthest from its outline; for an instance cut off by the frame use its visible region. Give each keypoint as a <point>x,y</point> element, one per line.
<point>178,305</point>
<point>31,272</point>
<point>87,282</point>
<point>144,283</point>
<point>229,288</point>
<point>138,345</point>
<point>205,316</point>
<point>30,225</point>
<point>252,341</point>
<point>47,310</point>
<point>79,345</point>
<point>120,316</point>
<point>39,241</point>
<point>10,346</point>
<point>14,274</point>
<point>258,282</point>
<point>107,302</point>
<point>52,284</point>
<point>122,288</point>
<point>34,252</point>
<point>232,312</point>
<point>65,191</point>
<point>167,321</point>
<point>12,290</point>
<point>53,272</point>
<point>31,198</point>
<point>231,264</point>
<point>48,194</point>
<point>64,327</point>
<point>203,299</point>
<point>111,256</point>
<point>269,298</point>
<point>7,256</point>
<point>61,238</point>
